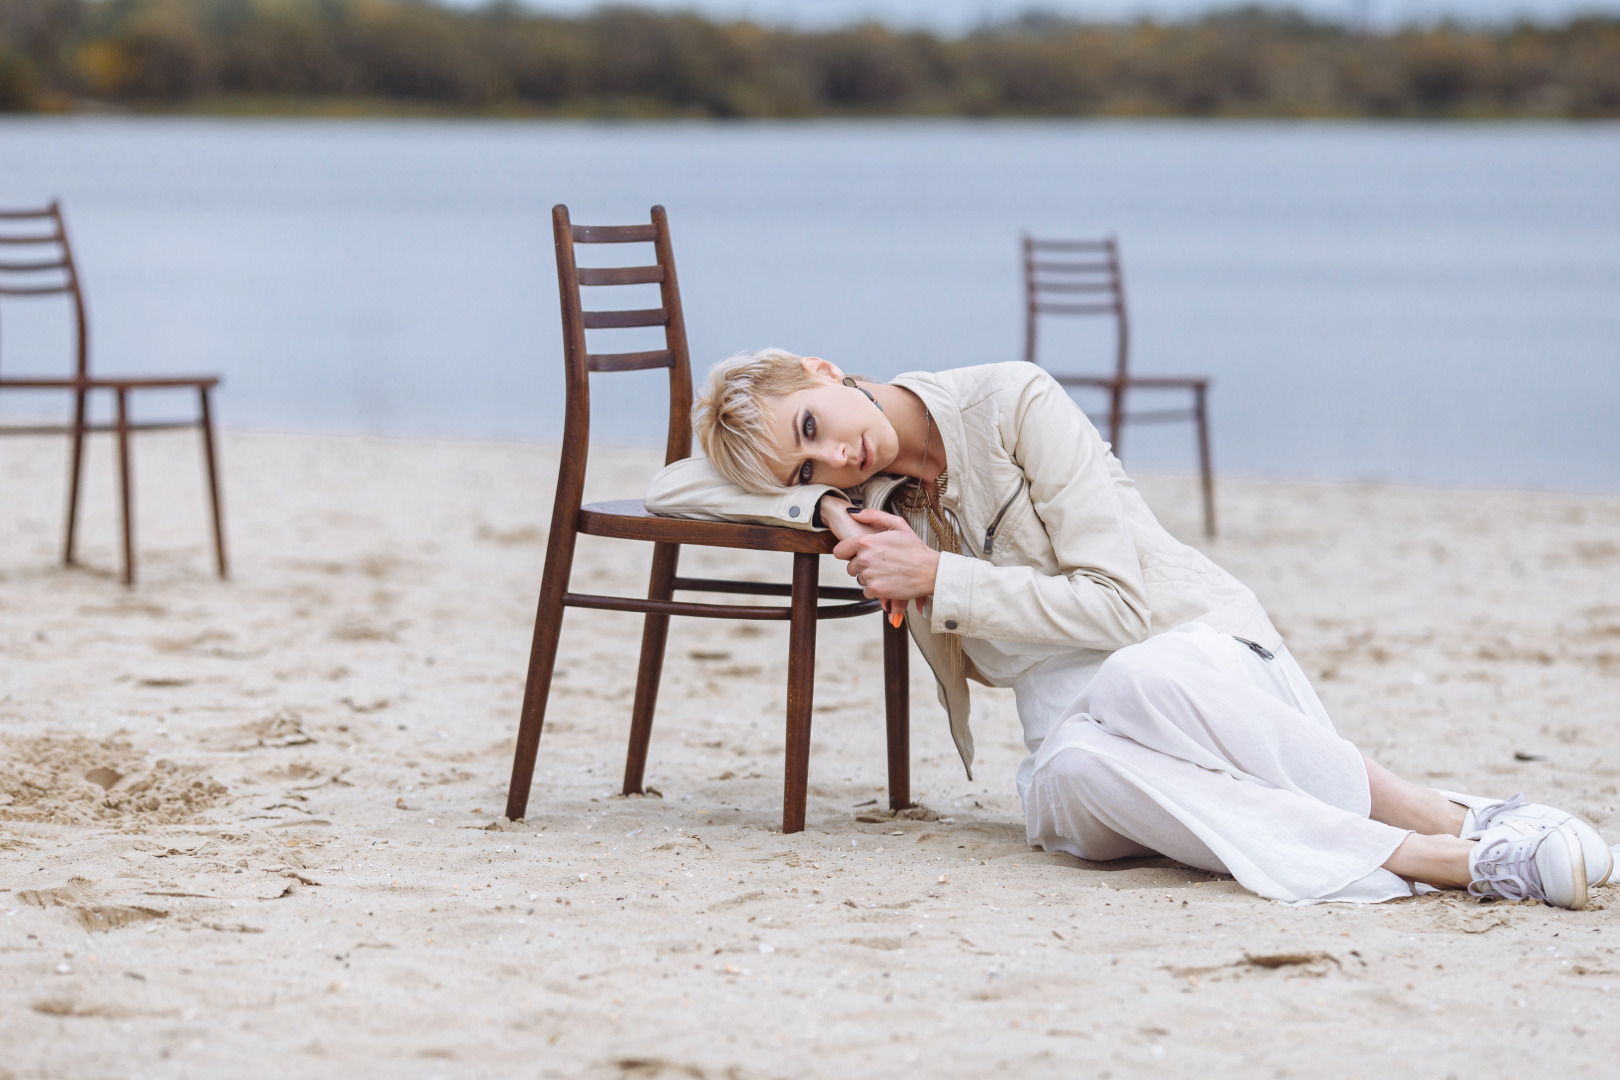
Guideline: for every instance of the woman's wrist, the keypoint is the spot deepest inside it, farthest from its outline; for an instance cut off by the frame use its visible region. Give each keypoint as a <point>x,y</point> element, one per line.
<point>933,571</point>
<point>833,510</point>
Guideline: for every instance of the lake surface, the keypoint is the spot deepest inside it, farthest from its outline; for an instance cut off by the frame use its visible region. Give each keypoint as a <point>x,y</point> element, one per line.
<point>1430,303</point>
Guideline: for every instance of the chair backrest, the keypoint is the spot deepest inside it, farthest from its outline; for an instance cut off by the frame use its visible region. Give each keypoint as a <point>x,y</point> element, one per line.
<point>35,260</point>
<point>1075,277</point>
<point>580,362</point>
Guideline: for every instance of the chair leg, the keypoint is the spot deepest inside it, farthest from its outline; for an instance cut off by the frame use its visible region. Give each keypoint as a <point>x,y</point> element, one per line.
<point>75,471</point>
<point>1116,421</point>
<point>125,499</point>
<point>210,461</point>
<point>800,690</point>
<point>1206,473</point>
<point>897,710</point>
<point>542,662</point>
<point>654,632</point>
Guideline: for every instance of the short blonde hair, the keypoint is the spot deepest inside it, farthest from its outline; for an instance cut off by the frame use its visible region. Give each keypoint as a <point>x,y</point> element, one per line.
<point>733,420</point>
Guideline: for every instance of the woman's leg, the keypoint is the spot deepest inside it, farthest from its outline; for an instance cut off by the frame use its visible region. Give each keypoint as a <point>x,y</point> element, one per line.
<point>1245,741</point>
<point>1099,796</point>
<point>1404,805</point>
<point>1170,695</point>
<point>1221,764</point>
<point>1439,861</point>
<point>1433,853</point>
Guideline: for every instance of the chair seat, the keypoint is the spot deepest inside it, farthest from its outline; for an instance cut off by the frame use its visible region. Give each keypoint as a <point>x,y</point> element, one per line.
<point>629,519</point>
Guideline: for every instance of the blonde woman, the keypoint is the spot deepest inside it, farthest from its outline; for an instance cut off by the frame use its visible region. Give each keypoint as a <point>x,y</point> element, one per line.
<point>1160,708</point>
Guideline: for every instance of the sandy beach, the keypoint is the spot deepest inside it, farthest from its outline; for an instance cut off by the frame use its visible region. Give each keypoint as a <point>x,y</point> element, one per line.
<point>254,828</point>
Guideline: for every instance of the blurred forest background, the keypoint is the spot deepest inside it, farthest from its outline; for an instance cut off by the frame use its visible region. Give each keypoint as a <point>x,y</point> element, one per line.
<point>383,56</point>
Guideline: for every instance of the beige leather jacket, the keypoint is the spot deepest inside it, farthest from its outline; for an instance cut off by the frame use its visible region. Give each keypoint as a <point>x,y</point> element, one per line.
<point>1058,546</point>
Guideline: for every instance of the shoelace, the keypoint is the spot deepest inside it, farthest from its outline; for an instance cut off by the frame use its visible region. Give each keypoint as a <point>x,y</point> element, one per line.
<point>1507,868</point>
<point>1483,819</point>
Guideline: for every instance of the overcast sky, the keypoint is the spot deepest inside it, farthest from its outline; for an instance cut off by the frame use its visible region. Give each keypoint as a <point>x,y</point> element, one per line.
<point>952,16</point>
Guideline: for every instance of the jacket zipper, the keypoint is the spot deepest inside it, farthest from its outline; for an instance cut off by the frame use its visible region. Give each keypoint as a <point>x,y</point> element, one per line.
<point>990,533</point>
<point>1259,650</point>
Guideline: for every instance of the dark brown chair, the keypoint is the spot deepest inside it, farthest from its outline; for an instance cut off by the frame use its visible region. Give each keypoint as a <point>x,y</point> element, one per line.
<point>1083,277</point>
<point>630,520</point>
<point>35,260</point>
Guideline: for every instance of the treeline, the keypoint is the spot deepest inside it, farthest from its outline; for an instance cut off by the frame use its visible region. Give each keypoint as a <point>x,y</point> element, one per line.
<point>380,55</point>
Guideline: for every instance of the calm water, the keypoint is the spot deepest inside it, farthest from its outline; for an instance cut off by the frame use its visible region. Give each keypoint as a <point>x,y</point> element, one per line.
<point>1427,303</point>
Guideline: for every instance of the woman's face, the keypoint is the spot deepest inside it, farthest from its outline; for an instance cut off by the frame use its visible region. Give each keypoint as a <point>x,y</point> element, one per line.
<point>829,433</point>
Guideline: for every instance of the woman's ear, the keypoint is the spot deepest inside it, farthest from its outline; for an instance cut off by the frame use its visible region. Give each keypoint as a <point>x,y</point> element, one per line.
<point>822,369</point>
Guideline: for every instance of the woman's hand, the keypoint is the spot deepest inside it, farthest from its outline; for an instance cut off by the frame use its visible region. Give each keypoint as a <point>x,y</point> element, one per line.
<point>836,515</point>
<point>887,559</point>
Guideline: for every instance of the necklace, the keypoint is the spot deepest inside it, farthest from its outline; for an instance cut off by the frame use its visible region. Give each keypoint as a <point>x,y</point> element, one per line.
<point>921,496</point>
<point>943,480</point>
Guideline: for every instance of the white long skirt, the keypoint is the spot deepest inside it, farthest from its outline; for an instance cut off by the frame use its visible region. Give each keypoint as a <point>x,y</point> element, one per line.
<point>1192,745</point>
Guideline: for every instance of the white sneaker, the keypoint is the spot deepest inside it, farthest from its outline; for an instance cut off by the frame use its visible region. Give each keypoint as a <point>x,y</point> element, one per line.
<point>1482,813</point>
<point>1515,860</point>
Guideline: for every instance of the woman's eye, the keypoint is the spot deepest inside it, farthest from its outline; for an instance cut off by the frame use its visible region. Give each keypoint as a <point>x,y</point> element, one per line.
<point>809,426</point>
<point>804,473</point>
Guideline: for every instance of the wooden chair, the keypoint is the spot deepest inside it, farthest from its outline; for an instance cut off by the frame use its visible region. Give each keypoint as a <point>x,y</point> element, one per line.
<point>1087,279</point>
<point>630,520</point>
<point>46,268</point>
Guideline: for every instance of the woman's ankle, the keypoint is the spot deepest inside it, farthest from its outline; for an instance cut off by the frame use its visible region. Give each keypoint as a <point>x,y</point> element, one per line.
<point>1450,816</point>
<point>1440,861</point>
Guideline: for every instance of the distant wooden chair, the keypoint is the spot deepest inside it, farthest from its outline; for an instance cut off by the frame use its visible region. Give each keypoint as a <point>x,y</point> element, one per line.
<point>628,519</point>
<point>1085,280</point>
<point>46,268</point>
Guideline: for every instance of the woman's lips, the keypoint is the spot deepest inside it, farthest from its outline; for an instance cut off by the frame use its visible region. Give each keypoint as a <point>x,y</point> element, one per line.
<point>866,454</point>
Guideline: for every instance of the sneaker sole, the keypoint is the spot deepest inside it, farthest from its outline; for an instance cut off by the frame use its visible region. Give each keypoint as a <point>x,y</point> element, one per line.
<point>1593,850</point>
<point>1577,863</point>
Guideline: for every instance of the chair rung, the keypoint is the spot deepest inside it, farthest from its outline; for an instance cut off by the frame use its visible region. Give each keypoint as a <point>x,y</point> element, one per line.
<point>25,215</point>
<point>37,429</point>
<point>614,234</point>
<point>711,611</point>
<point>32,267</point>
<point>1159,416</point>
<point>630,361</point>
<point>51,239</point>
<point>621,275</point>
<point>34,290</point>
<point>100,427</point>
<point>1075,309</point>
<point>615,320</point>
<point>674,607</point>
<point>1071,268</point>
<point>1075,286</point>
<point>1071,245</point>
<point>764,588</point>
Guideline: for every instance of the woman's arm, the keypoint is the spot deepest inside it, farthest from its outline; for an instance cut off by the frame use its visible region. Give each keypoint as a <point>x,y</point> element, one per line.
<point>1098,599</point>
<point>691,488</point>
